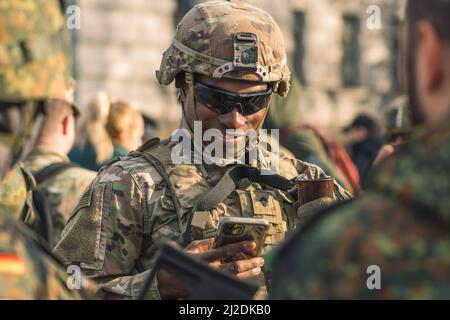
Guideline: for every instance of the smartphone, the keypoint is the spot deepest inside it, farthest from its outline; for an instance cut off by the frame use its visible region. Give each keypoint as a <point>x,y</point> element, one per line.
<point>237,229</point>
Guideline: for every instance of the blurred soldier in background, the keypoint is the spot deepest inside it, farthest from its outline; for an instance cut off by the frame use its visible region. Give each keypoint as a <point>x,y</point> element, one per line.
<point>304,141</point>
<point>394,241</point>
<point>60,182</point>
<point>125,126</point>
<point>35,65</point>
<point>227,59</point>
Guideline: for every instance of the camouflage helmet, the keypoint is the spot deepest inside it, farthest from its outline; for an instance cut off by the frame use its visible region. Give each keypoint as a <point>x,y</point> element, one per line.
<point>228,39</point>
<point>34,50</point>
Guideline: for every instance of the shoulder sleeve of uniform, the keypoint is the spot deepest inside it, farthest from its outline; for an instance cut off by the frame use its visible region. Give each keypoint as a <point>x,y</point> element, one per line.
<point>107,231</point>
<point>309,170</point>
<point>99,229</point>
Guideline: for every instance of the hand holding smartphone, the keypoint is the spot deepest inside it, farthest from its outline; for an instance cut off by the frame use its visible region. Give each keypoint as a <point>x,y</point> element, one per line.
<point>237,229</point>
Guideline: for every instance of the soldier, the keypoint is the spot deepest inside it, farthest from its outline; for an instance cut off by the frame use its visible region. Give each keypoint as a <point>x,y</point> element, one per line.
<point>60,182</point>
<point>227,58</point>
<point>394,241</point>
<point>34,66</point>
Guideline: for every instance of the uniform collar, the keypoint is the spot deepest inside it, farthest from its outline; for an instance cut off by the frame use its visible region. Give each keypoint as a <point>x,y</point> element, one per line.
<point>43,151</point>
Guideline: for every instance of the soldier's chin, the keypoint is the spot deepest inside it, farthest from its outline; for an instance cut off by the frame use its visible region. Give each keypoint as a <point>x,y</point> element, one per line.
<point>234,142</point>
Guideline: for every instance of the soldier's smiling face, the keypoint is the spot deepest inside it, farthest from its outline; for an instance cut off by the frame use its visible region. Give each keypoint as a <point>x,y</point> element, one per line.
<point>233,119</point>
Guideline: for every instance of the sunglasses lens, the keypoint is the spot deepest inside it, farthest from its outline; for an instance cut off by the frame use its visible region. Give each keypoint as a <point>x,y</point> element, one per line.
<point>223,102</point>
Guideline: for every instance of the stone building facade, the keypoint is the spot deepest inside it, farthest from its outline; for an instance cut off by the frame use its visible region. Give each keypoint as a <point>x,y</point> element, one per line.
<point>118,48</point>
<point>341,53</point>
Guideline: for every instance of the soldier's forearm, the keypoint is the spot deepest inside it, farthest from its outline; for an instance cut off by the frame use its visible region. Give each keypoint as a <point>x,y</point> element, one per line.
<point>127,287</point>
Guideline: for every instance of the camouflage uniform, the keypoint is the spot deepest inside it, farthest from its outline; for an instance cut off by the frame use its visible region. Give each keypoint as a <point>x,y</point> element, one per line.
<point>20,254</point>
<point>285,114</point>
<point>63,190</point>
<point>401,225</point>
<point>35,64</point>
<point>16,194</point>
<point>143,200</point>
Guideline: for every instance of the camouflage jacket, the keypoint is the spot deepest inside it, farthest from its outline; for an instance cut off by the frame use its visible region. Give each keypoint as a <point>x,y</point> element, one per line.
<point>398,231</point>
<point>29,272</point>
<point>130,209</point>
<point>16,194</point>
<point>63,190</point>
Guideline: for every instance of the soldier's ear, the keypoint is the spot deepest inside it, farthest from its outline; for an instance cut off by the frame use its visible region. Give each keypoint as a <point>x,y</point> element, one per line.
<point>66,124</point>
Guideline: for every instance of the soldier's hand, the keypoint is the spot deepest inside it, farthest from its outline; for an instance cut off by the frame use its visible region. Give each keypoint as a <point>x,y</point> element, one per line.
<point>172,288</point>
<point>385,151</point>
<point>308,210</point>
<point>243,269</point>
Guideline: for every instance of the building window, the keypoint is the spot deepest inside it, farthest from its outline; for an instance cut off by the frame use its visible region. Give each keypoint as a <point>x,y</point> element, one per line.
<point>299,49</point>
<point>351,50</point>
<point>395,49</point>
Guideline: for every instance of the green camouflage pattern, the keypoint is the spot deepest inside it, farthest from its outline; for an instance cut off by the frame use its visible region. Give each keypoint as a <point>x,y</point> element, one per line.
<point>34,50</point>
<point>63,190</point>
<point>129,211</point>
<point>401,225</point>
<point>13,192</point>
<point>209,29</point>
<point>16,194</point>
<point>27,272</point>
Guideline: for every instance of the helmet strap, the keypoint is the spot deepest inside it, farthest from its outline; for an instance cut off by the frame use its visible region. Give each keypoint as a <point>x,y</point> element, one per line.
<point>264,118</point>
<point>190,111</point>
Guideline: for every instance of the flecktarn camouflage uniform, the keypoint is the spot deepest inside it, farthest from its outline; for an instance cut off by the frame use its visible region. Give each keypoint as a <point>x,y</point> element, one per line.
<point>63,190</point>
<point>400,226</point>
<point>34,66</point>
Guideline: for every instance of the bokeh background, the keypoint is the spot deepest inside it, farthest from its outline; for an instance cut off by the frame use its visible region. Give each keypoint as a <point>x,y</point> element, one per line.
<point>341,67</point>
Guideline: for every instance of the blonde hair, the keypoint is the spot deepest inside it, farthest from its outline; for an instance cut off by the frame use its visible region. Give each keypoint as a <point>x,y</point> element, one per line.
<point>122,118</point>
<point>105,120</point>
<point>93,128</point>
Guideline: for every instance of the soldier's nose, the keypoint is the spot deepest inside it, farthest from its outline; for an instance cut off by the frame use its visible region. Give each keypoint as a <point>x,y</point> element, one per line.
<point>233,119</point>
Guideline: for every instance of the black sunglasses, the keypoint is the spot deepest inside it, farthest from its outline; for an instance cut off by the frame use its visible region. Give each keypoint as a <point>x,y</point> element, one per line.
<point>224,102</point>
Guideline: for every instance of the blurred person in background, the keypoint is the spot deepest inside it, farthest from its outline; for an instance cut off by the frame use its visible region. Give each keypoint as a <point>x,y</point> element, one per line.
<point>125,126</point>
<point>363,139</point>
<point>306,143</point>
<point>110,130</point>
<point>30,75</point>
<point>59,183</point>
<point>393,242</point>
